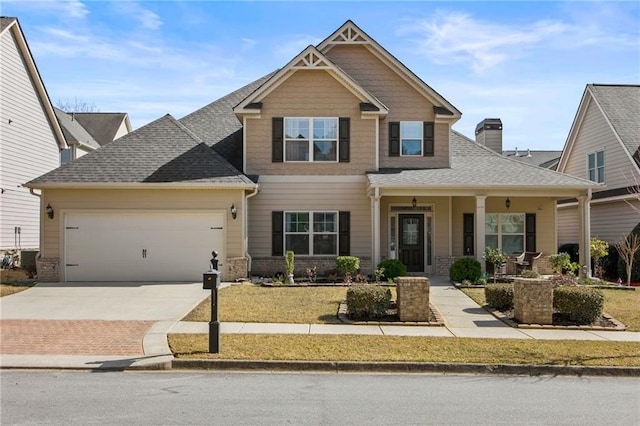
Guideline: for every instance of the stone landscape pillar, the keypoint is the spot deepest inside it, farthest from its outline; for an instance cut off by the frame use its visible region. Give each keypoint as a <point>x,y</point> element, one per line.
<point>533,301</point>
<point>413,298</point>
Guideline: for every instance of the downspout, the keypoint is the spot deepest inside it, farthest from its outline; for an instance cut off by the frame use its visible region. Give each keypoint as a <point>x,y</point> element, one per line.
<point>40,230</point>
<point>245,241</point>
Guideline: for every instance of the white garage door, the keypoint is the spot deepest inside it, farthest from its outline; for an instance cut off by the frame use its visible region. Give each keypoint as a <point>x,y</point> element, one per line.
<point>141,246</point>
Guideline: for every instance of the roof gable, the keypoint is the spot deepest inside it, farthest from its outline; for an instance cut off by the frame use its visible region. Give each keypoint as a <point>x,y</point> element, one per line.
<point>12,25</point>
<point>309,59</point>
<point>103,126</point>
<point>350,33</point>
<point>619,106</point>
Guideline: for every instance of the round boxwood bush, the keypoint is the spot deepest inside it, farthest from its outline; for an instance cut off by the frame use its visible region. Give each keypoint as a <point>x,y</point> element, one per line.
<point>465,268</point>
<point>368,301</point>
<point>583,305</point>
<point>393,268</point>
<point>499,296</point>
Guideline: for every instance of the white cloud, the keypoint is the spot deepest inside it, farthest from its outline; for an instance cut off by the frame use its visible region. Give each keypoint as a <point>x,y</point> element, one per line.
<point>459,38</point>
<point>147,18</point>
<point>66,9</point>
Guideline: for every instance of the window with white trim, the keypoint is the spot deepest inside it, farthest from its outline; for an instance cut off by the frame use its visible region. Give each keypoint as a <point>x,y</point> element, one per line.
<point>311,139</point>
<point>311,233</point>
<point>595,166</point>
<point>505,231</point>
<point>411,138</point>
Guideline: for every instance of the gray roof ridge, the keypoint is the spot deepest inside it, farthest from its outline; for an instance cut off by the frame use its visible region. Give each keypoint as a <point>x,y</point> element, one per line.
<point>614,85</point>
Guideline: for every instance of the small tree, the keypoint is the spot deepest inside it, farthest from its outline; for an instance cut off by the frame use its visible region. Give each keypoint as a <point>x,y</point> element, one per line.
<point>289,262</point>
<point>495,257</point>
<point>347,265</point>
<point>627,248</point>
<point>599,250</point>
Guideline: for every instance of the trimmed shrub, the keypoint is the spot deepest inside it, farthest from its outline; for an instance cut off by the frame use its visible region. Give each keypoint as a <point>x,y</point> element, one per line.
<point>573,249</point>
<point>368,301</point>
<point>392,268</point>
<point>528,273</point>
<point>583,305</point>
<point>465,268</point>
<point>499,296</point>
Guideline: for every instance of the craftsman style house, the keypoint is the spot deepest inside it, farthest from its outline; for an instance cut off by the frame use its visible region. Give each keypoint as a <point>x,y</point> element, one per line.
<point>604,146</point>
<point>343,151</point>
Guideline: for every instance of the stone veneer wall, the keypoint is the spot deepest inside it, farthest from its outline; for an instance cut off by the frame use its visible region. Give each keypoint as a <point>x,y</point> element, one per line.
<point>443,264</point>
<point>325,265</point>
<point>543,265</point>
<point>235,268</point>
<point>533,301</point>
<point>48,269</point>
<point>413,298</point>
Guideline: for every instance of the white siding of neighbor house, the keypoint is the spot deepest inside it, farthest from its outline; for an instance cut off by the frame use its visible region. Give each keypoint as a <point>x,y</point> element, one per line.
<point>28,147</point>
<point>122,130</point>
<point>293,195</point>
<point>595,134</point>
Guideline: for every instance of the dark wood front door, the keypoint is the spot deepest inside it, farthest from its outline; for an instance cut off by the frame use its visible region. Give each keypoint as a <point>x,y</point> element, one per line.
<point>412,241</point>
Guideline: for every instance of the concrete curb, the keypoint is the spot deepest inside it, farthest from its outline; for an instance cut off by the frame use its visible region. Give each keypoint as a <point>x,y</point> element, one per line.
<point>403,367</point>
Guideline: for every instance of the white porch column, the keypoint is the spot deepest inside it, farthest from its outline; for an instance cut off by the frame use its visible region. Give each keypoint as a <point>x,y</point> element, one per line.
<point>375,231</point>
<point>480,223</point>
<point>584,210</point>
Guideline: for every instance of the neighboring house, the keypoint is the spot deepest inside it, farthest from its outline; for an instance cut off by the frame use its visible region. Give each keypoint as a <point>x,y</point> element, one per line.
<point>87,131</point>
<point>604,146</point>
<point>30,139</point>
<point>343,151</point>
<point>546,159</point>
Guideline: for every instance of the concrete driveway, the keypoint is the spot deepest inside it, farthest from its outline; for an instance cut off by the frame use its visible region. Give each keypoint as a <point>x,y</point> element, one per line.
<point>93,325</point>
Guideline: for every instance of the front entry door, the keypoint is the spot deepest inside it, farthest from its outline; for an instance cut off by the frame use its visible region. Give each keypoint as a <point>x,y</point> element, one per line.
<point>412,241</point>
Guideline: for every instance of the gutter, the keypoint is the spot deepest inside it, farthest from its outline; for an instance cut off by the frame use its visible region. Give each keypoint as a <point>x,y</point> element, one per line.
<point>245,242</point>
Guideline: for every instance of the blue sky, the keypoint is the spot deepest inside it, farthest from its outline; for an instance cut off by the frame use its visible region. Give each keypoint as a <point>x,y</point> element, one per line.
<point>524,62</point>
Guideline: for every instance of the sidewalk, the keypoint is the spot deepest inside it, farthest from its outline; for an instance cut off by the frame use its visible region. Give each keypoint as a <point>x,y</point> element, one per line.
<point>463,318</point>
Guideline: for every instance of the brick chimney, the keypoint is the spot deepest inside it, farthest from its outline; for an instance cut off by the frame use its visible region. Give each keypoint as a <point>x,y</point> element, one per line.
<point>489,134</point>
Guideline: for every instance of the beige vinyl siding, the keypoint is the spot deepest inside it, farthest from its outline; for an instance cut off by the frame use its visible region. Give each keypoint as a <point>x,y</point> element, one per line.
<point>544,208</point>
<point>305,196</point>
<point>405,103</point>
<point>594,135</point>
<point>613,220</point>
<point>310,93</point>
<point>29,148</point>
<point>149,200</point>
<point>568,225</point>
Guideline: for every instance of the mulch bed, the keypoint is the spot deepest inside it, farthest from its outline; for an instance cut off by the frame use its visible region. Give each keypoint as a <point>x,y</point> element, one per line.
<point>390,318</point>
<point>605,322</point>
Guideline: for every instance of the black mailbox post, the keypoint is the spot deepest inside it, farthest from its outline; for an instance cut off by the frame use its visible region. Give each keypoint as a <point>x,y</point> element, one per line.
<point>211,281</point>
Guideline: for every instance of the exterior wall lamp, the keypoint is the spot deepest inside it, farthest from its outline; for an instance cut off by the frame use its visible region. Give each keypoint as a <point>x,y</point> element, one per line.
<point>507,203</point>
<point>49,211</point>
<point>414,202</point>
<point>234,211</point>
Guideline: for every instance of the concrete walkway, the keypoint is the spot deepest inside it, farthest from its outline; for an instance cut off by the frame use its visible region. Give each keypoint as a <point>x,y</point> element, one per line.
<point>97,323</point>
<point>463,318</point>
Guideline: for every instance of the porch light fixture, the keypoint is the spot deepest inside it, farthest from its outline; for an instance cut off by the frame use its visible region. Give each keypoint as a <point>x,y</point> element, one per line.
<point>414,202</point>
<point>49,211</point>
<point>234,211</point>
<point>507,203</point>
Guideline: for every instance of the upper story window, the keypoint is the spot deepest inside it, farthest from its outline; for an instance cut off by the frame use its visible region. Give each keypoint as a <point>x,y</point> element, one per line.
<point>411,137</point>
<point>311,139</point>
<point>595,165</point>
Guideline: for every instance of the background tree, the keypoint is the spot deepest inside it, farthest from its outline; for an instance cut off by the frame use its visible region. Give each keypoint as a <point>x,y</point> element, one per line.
<point>77,105</point>
<point>627,248</point>
<point>599,250</point>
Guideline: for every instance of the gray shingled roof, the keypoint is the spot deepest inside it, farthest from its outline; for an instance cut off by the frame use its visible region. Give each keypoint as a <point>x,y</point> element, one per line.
<point>103,126</point>
<point>74,131</point>
<point>475,166</point>
<point>164,151</point>
<point>546,159</point>
<point>5,22</point>
<point>621,106</point>
<point>218,126</point>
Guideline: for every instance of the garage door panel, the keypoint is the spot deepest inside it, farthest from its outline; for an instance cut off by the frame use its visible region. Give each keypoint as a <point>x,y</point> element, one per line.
<point>141,246</point>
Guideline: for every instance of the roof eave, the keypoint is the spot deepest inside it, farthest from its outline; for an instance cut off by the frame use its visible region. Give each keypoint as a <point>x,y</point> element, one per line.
<point>141,185</point>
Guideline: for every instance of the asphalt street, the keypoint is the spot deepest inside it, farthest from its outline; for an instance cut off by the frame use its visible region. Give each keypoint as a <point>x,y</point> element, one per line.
<point>187,398</point>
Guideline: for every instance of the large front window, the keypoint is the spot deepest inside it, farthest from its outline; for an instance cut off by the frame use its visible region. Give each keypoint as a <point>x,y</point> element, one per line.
<point>311,233</point>
<point>595,162</point>
<point>311,139</point>
<point>505,231</point>
<point>411,138</point>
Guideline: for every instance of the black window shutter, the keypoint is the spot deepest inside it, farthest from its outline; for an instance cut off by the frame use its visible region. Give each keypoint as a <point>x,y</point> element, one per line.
<point>344,233</point>
<point>344,131</point>
<point>468,237</point>
<point>277,131</point>
<point>530,238</point>
<point>428,139</point>
<point>277,236</point>
<point>394,139</point>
